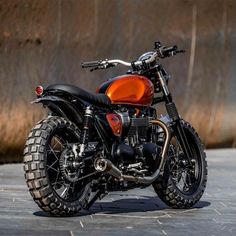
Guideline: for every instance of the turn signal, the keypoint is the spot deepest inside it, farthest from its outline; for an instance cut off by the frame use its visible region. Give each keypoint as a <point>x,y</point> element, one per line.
<point>39,90</point>
<point>115,123</point>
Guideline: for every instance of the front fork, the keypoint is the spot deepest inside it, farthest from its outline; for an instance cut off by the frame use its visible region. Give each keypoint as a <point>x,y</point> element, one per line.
<point>174,115</point>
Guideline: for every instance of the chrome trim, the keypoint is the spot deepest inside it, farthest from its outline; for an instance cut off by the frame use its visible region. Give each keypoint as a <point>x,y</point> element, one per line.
<point>125,118</point>
<point>136,63</point>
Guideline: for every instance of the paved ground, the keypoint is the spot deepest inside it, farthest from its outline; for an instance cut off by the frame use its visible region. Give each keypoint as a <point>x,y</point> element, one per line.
<point>136,212</point>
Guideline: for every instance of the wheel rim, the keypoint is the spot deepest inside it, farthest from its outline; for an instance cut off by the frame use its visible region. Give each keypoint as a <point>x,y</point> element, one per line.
<point>185,176</point>
<point>57,143</point>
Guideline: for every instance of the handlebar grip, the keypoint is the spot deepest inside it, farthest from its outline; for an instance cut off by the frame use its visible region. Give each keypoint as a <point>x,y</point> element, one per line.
<point>167,51</point>
<point>90,64</point>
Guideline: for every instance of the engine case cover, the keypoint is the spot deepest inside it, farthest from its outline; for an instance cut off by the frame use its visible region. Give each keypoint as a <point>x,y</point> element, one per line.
<point>125,152</point>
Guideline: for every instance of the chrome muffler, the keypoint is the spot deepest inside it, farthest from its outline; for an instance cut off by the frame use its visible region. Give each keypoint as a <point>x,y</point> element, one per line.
<point>106,166</point>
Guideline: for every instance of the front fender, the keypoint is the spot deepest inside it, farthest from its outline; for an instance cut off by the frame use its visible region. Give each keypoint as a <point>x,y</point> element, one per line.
<point>62,108</point>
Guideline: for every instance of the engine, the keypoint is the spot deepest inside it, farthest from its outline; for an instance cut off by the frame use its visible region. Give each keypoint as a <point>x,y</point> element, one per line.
<point>136,149</point>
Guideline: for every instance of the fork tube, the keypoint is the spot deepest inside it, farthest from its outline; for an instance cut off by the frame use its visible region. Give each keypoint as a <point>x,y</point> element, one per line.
<point>174,115</point>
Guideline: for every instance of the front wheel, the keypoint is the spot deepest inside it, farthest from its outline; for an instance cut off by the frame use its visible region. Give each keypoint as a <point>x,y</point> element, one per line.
<point>52,184</point>
<point>184,179</point>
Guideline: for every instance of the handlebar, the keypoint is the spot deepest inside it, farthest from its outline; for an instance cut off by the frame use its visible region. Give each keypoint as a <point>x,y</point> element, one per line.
<point>105,64</point>
<point>161,52</point>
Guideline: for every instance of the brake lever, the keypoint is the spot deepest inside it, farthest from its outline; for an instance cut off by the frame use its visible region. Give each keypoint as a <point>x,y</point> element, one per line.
<point>180,51</point>
<point>102,66</point>
<point>95,68</point>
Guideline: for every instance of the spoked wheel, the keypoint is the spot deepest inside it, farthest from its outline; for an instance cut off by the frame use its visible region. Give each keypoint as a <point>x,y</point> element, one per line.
<point>52,174</point>
<point>185,173</point>
<point>184,179</point>
<point>62,174</point>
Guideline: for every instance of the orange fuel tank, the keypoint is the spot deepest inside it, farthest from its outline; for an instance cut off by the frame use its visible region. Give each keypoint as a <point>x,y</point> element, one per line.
<point>129,89</point>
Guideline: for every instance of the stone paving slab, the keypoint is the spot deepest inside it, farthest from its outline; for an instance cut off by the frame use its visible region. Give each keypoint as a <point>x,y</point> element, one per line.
<point>136,212</point>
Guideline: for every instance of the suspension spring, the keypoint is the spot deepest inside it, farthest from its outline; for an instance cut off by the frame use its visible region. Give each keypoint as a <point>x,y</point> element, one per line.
<point>88,118</point>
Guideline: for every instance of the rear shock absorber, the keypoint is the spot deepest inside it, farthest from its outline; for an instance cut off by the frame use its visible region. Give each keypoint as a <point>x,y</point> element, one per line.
<point>88,118</point>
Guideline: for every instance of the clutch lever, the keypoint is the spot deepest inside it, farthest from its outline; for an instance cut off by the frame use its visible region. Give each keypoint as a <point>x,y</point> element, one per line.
<point>180,51</point>
<point>95,68</point>
<point>103,66</point>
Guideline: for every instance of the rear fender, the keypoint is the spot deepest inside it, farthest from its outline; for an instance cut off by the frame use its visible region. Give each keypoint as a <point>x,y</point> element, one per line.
<point>62,107</point>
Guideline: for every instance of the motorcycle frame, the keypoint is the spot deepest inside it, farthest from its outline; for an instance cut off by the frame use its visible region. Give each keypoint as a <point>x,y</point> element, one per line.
<point>73,109</point>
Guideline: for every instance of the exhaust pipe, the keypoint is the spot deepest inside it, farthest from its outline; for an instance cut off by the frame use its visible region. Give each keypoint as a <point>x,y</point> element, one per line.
<point>106,166</point>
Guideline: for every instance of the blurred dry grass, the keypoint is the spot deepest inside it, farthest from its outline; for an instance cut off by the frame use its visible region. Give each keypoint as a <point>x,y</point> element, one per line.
<point>213,129</point>
<point>15,125</point>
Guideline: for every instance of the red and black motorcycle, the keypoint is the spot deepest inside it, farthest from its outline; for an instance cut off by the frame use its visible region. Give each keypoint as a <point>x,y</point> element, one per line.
<point>91,144</point>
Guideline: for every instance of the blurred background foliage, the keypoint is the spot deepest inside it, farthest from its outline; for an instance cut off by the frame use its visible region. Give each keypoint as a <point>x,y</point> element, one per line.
<point>44,42</point>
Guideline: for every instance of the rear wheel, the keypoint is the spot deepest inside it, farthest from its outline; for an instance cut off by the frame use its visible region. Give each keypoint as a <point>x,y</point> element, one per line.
<point>48,163</point>
<point>184,179</point>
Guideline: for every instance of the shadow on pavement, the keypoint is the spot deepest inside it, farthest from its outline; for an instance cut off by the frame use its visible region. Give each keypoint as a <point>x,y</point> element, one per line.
<point>138,204</point>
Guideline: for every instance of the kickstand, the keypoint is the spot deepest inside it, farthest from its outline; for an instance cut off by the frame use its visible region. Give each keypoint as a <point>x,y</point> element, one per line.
<point>94,198</point>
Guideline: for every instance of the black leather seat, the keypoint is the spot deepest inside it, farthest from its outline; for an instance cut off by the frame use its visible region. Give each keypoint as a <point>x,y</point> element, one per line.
<point>97,99</point>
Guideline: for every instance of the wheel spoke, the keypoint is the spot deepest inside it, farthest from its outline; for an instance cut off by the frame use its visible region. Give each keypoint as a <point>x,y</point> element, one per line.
<point>58,141</point>
<point>50,167</point>
<point>58,183</point>
<point>186,186</point>
<point>171,158</point>
<point>57,178</point>
<point>65,191</point>
<point>53,151</point>
<point>172,168</point>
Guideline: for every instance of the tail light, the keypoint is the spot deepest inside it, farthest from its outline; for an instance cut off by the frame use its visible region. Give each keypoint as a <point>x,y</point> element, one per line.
<point>115,123</point>
<point>39,90</point>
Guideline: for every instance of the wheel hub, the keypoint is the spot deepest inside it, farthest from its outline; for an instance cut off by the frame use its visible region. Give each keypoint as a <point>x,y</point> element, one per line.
<point>71,169</point>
